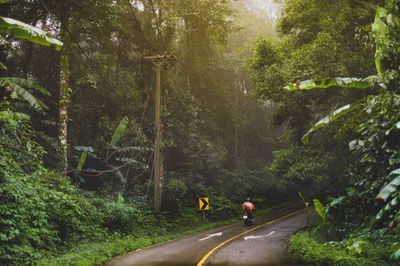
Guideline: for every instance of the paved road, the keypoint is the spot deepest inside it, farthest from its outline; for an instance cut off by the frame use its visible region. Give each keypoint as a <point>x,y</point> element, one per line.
<point>264,243</point>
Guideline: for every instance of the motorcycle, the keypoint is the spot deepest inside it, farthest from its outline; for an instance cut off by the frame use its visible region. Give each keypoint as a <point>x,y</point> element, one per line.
<point>247,220</point>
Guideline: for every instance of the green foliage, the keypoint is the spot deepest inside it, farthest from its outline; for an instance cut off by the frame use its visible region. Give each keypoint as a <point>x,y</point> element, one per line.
<point>331,82</point>
<point>311,252</point>
<point>114,159</point>
<point>395,251</point>
<point>299,164</point>
<point>320,209</point>
<point>177,188</point>
<point>21,30</point>
<point>390,191</point>
<point>387,39</point>
<point>119,131</point>
<point>18,88</point>
<point>39,209</point>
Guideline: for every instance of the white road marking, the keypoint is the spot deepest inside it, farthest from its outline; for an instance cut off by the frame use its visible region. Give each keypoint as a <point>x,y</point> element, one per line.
<point>255,237</point>
<point>270,233</point>
<point>210,236</point>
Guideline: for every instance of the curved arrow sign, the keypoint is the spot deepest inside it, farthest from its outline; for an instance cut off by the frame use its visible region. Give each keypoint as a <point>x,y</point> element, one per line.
<point>203,202</point>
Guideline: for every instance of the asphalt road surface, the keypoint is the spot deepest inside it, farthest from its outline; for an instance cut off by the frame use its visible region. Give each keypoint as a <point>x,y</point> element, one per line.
<point>263,243</point>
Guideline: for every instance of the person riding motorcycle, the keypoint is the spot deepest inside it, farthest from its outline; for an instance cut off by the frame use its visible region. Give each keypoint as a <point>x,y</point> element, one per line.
<point>248,207</point>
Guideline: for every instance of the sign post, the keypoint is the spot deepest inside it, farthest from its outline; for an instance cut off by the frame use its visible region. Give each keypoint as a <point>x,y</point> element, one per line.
<point>204,205</point>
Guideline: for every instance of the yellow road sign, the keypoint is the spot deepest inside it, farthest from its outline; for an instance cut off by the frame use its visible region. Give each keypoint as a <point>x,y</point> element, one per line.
<point>203,203</point>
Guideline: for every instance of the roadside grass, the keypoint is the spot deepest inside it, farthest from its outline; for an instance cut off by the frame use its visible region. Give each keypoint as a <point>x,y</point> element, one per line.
<point>312,252</point>
<point>95,253</point>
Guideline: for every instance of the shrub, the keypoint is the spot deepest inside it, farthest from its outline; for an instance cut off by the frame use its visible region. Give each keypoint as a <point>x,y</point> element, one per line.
<point>353,252</point>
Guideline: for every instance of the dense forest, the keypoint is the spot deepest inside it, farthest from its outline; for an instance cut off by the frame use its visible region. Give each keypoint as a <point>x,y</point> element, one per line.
<point>257,98</point>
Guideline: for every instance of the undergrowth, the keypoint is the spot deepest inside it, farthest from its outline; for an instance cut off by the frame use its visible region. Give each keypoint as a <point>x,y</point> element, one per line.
<point>365,249</point>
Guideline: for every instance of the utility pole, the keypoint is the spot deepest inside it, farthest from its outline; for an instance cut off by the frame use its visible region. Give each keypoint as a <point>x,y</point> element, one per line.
<point>157,61</point>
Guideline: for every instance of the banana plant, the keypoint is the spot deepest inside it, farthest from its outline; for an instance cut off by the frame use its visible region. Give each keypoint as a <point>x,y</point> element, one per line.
<point>380,28</point>
<point>306,203</point>
<point>386,24</point>
<point>18,87</point>
<point>114,159</point>
<point>390,193</point>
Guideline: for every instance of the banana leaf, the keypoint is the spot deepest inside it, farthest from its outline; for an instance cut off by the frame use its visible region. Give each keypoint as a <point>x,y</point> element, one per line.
<point>119,131</point>
<point>27,96</point>
<point>84,148</point>
<point>330,118</point>
<point>81,162</point>
<point>19,90</point>
<point>132,161</point>
<point>118,173</point>
<point>387,190</point>
<point>128,149</point>
<point>24,83</point>
<point>21,30</point>
<point>304,201</point>
<point>319,208</point>
<point>330,82</point>
<point>388,207</point>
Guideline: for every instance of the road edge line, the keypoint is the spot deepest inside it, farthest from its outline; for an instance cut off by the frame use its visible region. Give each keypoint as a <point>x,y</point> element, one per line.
<point>200,263</point>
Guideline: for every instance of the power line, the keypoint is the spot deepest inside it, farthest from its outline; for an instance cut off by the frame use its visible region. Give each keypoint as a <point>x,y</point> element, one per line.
<point>137,23</point>
<point>157,25</point>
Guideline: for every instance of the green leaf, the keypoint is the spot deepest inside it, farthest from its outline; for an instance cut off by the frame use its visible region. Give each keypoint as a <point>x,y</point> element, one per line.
<point>128,149</point>
<point>332,82</point>
<point>120,199</point>
<point>395,255</point>
<point>19,87</point>
<point>18,91</point>
<point>380,29</point>
<point>319,208</point>
<point>132,161</point>
<point>330,118</point>
<point>3,66</point>
<point>387,190</point>
<point>4,1</point>
<point>27,84</point>
<point>305,202</point>
<point>81,162</point>
<point>395,172</point>
<point>336,201</point>
<point>84,148</point>
<point>119,131</point>
<point>21,30</point>
<point>379,215</point>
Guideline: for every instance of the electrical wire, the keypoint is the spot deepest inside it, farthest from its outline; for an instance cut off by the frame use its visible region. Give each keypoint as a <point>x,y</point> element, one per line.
<point>158,26</point>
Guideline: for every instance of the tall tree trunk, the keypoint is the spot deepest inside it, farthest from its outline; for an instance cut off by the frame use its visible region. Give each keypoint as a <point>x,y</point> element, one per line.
<point>64,94</point>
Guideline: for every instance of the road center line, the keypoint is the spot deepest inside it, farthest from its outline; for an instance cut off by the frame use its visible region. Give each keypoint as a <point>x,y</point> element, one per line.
<point>232,238</point>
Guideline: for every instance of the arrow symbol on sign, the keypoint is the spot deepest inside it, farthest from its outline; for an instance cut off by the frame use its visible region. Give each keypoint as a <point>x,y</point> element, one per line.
<point>205,203</point>
<point>210,236</point>
<point>255,237</point>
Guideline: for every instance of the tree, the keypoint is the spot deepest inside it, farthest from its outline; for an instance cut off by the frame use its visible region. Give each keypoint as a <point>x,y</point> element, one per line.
<point>377,124</point>
<point>317,40</point>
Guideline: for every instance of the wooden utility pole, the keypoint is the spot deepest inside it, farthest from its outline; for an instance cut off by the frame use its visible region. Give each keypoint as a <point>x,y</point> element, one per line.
<point>158,168</point>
